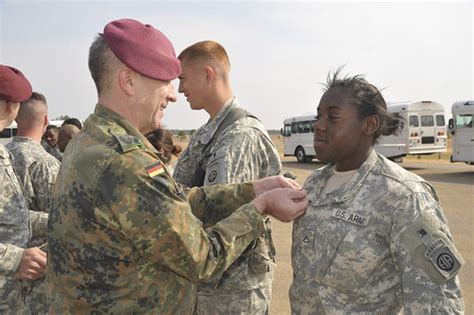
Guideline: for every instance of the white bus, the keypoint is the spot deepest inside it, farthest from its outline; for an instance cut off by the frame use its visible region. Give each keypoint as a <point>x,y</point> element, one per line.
<point>9,132</point>
<point>297,135</point>
<point>424,130</point>
<point>462,132</point>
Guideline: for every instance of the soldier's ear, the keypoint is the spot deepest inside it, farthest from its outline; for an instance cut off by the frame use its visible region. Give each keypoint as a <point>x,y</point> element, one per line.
<point>371,124</point>
<point>210,73</point>
<point>126,79</point>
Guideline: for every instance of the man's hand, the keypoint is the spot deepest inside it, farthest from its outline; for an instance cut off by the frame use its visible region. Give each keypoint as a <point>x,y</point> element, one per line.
<point>32,265</point>
<point>268,183</point>
<point>285,204</point>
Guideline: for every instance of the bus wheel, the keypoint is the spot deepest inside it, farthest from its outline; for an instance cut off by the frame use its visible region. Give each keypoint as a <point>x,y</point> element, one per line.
<point>301,155</point>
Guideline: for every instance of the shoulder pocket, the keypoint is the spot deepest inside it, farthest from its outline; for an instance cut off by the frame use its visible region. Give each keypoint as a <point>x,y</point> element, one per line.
<point>431,249</point>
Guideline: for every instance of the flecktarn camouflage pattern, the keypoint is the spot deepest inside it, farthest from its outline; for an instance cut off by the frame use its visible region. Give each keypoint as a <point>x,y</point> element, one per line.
<point>122,237</point>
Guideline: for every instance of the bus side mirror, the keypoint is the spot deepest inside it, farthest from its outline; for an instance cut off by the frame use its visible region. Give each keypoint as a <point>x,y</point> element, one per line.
<point>451,126</point>
<point>281,132</point>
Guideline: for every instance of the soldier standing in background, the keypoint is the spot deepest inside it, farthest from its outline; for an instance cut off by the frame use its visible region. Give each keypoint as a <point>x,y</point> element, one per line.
<point>18,261</point>
<point>50,141</point>
<point>66,133</point>
<point>123,237</point>
<point>36,171</point>
<point>232,147</point>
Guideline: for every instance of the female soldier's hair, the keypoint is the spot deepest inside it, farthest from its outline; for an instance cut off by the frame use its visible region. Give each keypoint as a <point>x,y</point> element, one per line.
<point>162,140</point>
<point>368,99</point>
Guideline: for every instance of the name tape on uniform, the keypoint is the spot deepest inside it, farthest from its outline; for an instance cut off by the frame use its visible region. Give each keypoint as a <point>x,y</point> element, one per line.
<point>351,217</point>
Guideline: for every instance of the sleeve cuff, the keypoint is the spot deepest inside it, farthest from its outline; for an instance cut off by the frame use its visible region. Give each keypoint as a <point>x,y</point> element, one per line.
<point>11,259</point>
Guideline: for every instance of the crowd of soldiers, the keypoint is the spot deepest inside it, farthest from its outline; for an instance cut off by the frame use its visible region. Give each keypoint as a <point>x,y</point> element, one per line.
<point>127,234</point>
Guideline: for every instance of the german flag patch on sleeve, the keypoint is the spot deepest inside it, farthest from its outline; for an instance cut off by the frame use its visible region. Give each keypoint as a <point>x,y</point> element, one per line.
<point>155,169</point>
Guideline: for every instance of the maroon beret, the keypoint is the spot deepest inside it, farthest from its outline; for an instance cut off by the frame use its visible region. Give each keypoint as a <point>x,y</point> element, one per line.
<point>14,87</point>
<point>143,48</point>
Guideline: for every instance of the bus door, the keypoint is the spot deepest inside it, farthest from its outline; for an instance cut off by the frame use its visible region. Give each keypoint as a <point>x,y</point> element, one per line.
<point>463,140</point>
<point>427,129</point>
<point>287,139</point>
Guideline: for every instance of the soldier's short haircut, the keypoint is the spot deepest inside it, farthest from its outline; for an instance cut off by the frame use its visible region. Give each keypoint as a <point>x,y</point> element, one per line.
<point>206,51</point>
<point>368,99</point>
<point>31,112</point>
<point>35,96</point>
<point>52,127</point>
<point>72,121</point>
<point>102,63</point>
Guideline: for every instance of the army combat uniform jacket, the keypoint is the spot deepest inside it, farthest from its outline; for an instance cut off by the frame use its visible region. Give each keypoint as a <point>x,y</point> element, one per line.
<point>376,245</point>
<point>36,170</point>
<point>122,236</point>
<point>17,225</point>
<point>242,152</point>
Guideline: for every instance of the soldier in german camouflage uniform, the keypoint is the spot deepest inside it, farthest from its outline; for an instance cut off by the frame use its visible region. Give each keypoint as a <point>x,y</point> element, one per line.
<point>19,263</point>
<point>123,237</point>
<point>36,171</point>
<point>374,239</point>
<point>232,147</point>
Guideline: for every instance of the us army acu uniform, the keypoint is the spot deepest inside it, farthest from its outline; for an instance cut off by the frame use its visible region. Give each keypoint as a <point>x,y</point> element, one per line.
<point>17,226</point>
<point>54,151</point>
<point>242,152</point>
<point>376,245</point>
<point>122,237</point>
<point>36,171</point>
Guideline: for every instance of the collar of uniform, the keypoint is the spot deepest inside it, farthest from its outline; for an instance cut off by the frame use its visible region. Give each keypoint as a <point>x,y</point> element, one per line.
<point>211,126</point>
<point>347,190</point>
<point>4,153</point>
<point>27,140</point>
<point>108,114</point>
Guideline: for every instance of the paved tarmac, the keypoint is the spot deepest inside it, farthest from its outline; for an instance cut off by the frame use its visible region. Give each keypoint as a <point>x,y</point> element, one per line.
<point>455,186</point>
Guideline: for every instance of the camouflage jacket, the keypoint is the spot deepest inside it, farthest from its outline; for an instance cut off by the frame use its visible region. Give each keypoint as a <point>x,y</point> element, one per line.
<point>17,225</point>
<point>54,151</point>
<point>36,171</point>
<point>243,152</point>
<point>375,245</point>
<point>123,237</point>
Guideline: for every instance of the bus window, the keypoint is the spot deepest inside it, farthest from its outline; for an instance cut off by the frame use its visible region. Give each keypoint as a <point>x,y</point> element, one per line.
<point>413,121</point>
<point>304,127</point>
<point>312,125</point>
<point>294,127</point>
<point>440,120</point>
<point>6,133</point>
<point>464,121</point>
<point>287,130</point>
<point>427,121</point>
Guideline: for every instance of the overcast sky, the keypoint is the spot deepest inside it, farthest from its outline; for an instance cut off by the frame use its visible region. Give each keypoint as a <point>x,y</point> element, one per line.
<point>280,51</point>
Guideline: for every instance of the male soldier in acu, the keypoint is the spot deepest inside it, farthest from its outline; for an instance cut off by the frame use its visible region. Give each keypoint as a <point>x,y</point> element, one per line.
<point>232,147</point>
<point>123,237</point>
<point>50,141</point>
<point>36,171</point>
<point>19,263</point>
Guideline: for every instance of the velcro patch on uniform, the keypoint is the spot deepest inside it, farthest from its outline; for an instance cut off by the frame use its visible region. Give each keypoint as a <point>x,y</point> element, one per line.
<point>431,249</point>
<point>214,171</point>
<point>443,259</point>
<point>155,169</point>
<point>351,217</point>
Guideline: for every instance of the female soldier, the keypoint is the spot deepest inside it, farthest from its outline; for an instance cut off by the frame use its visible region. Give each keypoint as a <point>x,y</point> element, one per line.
<point>162,140</point>
<point>374,239</point>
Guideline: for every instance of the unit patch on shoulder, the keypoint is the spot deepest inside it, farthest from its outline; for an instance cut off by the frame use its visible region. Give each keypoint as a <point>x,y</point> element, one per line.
<point>431,249</point>
<point>155,169</point>
<point>128,142</point>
